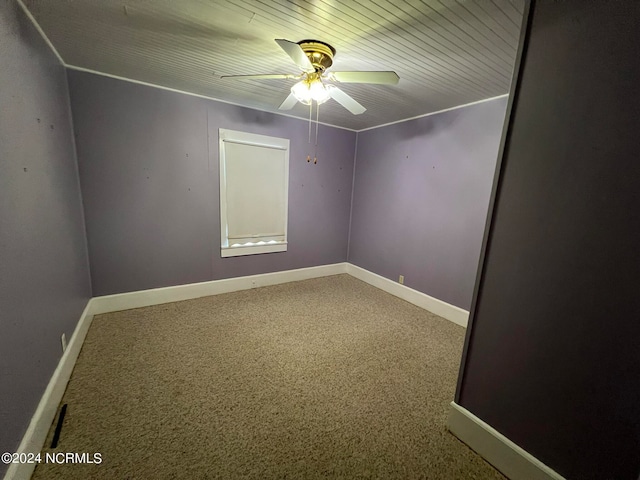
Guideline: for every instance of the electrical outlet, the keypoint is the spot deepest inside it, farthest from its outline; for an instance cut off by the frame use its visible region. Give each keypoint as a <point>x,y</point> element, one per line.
<point>401,280</point>
<point>63,339</point>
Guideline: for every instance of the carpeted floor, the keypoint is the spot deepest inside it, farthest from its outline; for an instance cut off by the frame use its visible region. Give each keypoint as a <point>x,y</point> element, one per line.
<point>325,378</point>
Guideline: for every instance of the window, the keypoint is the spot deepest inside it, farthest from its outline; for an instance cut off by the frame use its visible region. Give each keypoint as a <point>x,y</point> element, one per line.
<point>254,192</point>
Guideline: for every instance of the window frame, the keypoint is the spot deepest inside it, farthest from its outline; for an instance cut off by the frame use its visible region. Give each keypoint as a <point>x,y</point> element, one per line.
<point>254,140</point>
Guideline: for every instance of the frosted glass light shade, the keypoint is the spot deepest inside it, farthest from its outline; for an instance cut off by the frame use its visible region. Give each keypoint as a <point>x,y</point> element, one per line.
<point>318,92</point>
<point>302,92</point>
<point>305,92</point>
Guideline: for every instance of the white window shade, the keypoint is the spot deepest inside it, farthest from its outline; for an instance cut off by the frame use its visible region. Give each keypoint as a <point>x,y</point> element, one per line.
<point>253,193</point>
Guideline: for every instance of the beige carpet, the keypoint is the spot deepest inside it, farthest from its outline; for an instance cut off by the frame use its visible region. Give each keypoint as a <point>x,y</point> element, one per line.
<point>325,378</point>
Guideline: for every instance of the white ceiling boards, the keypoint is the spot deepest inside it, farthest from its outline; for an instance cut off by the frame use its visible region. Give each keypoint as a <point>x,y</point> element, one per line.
<point>446,52</point>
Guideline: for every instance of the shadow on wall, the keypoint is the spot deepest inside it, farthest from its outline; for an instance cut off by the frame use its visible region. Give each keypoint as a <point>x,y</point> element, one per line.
<point>247,116</point>
<point>431,125</point>
<point>25,35</point>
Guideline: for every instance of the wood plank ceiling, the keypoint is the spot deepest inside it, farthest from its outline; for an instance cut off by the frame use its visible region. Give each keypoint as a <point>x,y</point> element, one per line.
<point>446,52</point>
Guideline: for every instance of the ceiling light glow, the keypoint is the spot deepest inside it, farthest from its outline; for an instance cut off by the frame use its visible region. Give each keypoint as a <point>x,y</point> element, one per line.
<point>318,92</point>
<point>306,91</point>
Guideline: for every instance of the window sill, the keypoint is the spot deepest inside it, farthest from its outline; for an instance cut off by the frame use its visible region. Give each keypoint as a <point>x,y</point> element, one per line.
<point>252,249</point>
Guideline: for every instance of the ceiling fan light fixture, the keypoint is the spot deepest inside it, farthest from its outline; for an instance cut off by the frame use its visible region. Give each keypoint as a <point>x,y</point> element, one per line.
<point>314,57</point>
<point>307,91</point>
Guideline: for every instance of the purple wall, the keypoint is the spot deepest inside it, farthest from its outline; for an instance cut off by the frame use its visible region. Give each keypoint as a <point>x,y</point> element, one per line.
<point>44,277</point>
<point>553,361</point>
<point>148,163</point>
<point>421,195</point>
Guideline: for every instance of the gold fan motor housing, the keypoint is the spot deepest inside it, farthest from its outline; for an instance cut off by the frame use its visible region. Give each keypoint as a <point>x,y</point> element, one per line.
<point>320,54</point>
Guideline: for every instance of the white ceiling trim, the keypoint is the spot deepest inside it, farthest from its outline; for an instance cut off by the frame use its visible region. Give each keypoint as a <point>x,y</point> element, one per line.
<point>434,113</point>
<point>131,80</point>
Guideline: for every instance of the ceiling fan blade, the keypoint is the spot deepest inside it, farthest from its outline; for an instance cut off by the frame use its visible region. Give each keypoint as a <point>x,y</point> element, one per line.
<point>381,78</point>
<point>265,76</point>
<point>297,54</point>
<point>345,100</point>
<point>288,103</point>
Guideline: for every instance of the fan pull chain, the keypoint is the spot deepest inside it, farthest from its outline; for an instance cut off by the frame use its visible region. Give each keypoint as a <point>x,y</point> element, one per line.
<point>315,154</point>
<point>310,116</point>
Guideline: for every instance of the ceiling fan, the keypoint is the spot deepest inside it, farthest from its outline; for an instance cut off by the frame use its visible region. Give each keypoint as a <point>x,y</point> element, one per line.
<point>314,59</point>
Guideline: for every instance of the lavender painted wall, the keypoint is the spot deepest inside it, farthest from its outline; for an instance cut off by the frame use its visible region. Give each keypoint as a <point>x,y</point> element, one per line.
<point>44,277</point>
<point>148,163</point>
<point>552,352</point>
<point>421,196</point>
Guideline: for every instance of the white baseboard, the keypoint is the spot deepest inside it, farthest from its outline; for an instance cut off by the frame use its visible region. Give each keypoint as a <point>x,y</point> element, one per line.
<point>422,300</point>
<point>36,434</point>
<point>156,296</point>
<point>513,461</point>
